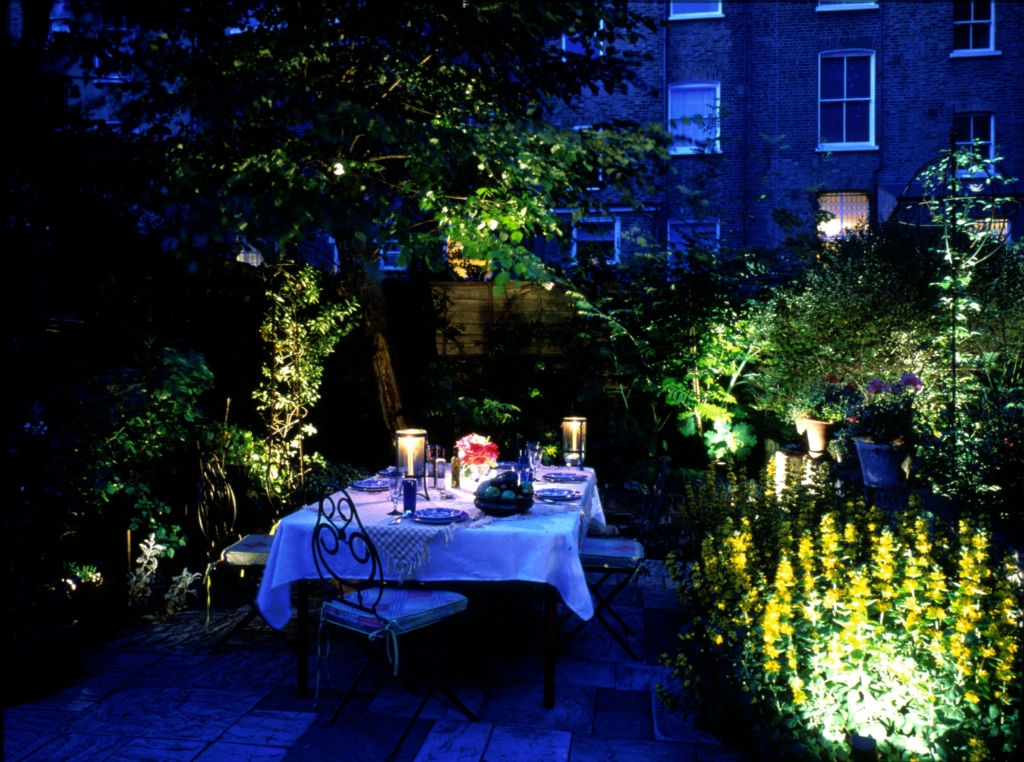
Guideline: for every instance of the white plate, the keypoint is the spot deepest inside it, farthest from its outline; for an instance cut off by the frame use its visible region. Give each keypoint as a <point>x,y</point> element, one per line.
<point>557,493</point>
<point>370,485</point>
<point>439,515</point>
<point>565,476</point>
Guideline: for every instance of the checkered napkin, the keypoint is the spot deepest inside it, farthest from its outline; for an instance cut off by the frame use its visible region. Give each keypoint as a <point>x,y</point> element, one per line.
<point>405,547</point>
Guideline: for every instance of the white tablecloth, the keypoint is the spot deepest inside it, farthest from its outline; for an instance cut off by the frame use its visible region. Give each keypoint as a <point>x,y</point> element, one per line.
<point>541,545</point>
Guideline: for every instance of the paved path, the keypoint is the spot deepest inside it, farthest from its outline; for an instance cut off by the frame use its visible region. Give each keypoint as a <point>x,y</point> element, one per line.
<point>160,693</point>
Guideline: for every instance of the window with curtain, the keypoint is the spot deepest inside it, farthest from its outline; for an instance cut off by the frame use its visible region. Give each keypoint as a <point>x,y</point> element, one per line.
<point>846,99</point>
<point>693,117</point>
<point>849,211</point>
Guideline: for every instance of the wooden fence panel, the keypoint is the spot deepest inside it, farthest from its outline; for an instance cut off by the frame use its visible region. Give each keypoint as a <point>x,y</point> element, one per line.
<point>475,310</point>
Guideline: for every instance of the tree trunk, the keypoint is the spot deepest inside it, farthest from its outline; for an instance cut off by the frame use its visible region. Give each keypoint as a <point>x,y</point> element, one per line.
<point>371,302</point>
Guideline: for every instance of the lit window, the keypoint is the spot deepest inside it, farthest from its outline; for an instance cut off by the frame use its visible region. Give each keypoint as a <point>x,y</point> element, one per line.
<point>849,211</point>
<point>976,131</point>
<point>973,25</point>
<point>678,11</point>
<point>693,117</point>
<point>846,99</point>
<point>390,252</point>
<point>596,240</point>
<point>685,236</point>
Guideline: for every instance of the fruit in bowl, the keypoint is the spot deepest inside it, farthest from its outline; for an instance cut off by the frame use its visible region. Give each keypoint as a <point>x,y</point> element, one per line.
<point>504,495</point>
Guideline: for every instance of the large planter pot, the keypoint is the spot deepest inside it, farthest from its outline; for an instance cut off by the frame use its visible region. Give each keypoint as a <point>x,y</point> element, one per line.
<point>882,465</point>
<point>818,434</point>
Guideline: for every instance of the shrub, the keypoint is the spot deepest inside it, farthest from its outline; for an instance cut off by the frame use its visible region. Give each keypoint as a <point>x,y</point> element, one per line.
<point>816,618</point>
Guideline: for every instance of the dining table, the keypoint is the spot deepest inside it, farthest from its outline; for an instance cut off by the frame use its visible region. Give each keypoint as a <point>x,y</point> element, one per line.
<point>538,549</point>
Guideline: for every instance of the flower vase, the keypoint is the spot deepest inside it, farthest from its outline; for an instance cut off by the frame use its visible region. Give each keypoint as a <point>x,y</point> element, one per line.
<point>883,466</point>
<point>473,474</point>
<point>818,434</point>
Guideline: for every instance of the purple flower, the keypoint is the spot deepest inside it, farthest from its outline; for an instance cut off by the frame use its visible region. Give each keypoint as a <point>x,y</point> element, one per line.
<point>909,379</point>
<point>876,385</point>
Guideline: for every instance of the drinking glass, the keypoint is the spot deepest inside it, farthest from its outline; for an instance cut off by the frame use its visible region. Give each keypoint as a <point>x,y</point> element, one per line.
<point>395,478</point>
<point>534,452</point>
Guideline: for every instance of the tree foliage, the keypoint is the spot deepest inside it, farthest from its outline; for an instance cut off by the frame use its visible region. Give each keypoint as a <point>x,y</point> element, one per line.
<point>374,121</point>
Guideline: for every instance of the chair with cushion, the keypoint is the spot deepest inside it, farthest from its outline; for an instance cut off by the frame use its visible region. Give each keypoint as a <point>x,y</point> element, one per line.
<point>622,558</point>
<point>226,548</point>
<point>358,600</point>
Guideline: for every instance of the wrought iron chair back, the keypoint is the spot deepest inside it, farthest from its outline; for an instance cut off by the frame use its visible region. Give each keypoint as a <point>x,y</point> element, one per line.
<point>338,534</point>
<point>339,530</point>
<point>226,548</point>
<point>217,507</point>
<point>652,507</point>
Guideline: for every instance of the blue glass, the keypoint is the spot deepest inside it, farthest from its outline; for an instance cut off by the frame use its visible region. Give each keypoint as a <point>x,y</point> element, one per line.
<point>409,495</point>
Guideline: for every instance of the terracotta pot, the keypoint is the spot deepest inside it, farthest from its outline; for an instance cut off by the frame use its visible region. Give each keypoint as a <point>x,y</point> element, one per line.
<point>883,465</point>
<point>818,434</point>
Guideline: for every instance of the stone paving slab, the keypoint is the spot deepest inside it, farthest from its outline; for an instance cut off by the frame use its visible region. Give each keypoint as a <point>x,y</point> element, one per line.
<point>160,693</point>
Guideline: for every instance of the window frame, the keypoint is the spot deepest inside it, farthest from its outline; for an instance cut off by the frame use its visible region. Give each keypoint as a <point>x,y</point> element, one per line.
<point>677,258</point>
<point>828,6</point>
<point>715,143</point>
<point>598,45</point>
<point>870,144</point>
<point>391,246</point>
<point>865,198</point>
<point>699,15</point>
<point>599,178</point>
<point>616,239</point>
<point>975,52</point>
<point>972,115</point>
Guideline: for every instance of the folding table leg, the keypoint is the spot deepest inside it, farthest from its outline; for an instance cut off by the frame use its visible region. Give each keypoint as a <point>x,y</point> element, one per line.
<point>303,644</point>
<point>550,645</point>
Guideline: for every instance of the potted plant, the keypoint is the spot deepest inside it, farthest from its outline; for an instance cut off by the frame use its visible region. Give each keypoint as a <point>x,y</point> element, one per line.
<point>820,410</point>
<point>883,429</point>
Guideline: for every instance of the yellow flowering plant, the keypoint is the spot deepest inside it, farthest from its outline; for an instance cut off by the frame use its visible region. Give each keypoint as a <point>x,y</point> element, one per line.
<point>817,617</point>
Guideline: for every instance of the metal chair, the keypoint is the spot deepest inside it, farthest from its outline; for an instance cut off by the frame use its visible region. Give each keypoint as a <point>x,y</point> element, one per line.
<point>358,600</point>
<point>226,548</point>
<point>616,556</point>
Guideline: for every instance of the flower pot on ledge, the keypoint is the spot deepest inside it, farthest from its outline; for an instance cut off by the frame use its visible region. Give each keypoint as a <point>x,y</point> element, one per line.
<point>818,434</point>
<point>883,465</point>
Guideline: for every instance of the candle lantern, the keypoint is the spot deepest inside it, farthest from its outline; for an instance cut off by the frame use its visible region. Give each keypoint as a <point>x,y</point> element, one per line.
<point>574,441</point>
<point>411,455</point>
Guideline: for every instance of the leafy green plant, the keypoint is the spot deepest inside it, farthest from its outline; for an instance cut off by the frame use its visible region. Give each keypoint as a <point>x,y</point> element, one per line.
<point>299,331</point>
<point>886,414</point>
<point>815,618</point>
<point>823,400</point>
<point>140,578</point>
<point>176,597</point>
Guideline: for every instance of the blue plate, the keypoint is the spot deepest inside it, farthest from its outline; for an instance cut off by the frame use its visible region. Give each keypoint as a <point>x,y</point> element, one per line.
<point>439,515</point>
<point>565,476</point>
<point>557,493</point>
<point>370,485</point>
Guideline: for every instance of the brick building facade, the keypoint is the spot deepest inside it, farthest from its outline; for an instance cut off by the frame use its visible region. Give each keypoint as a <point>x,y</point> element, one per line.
<point>813,104</point>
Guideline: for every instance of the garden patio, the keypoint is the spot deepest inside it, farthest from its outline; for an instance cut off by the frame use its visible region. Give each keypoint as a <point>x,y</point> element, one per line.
<point>158,692</point>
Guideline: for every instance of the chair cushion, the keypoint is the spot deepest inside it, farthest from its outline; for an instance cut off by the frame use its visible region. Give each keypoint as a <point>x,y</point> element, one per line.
<point>251,550</point>
<point>606,553</point>
<point>408,609</point>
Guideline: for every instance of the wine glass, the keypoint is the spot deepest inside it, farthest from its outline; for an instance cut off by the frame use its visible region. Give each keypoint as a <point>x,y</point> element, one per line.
<point>395,477</point>
<point>533,451</point>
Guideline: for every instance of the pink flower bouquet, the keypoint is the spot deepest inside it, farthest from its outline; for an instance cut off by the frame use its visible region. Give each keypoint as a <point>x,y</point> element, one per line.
<point>475,450</point>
